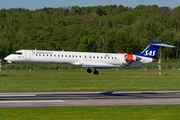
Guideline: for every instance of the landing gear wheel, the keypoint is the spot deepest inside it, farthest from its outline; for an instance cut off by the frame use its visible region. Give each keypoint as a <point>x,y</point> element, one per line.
<point>89,70</point>
<point>96,72</point>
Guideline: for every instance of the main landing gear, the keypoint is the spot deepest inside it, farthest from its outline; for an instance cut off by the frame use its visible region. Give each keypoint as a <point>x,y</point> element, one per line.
<point>96,72</point>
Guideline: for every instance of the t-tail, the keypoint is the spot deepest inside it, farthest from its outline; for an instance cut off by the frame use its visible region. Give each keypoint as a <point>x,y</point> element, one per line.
<point>152,49</point>
<point>148,54</point>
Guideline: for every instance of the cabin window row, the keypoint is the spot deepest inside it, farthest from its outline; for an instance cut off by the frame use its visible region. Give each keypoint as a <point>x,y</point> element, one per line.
<point>76,56</point>
<point>100,57</point>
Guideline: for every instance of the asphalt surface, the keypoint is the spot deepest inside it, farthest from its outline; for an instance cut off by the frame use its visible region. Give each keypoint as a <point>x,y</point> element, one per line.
<point>88,98</point>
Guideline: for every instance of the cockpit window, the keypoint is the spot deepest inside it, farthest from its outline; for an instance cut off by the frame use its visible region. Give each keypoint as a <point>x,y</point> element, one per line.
<point>17,53</point>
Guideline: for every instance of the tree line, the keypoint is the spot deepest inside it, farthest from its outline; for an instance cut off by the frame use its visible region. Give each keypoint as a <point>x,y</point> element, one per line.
<point>110,28</point>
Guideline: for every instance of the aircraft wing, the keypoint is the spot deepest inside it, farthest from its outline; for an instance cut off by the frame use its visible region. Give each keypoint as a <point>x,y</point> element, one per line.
<point>99,65</point>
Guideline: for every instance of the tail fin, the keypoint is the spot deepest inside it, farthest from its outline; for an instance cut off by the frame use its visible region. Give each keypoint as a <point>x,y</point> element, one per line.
<point>152,49</point>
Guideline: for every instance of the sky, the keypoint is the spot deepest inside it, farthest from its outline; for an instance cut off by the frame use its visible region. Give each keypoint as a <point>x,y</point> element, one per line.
<point>38,4</point>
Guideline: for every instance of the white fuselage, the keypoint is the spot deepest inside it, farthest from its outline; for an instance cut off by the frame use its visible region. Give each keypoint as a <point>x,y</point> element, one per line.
<point>85,59</point>
<point>88,59</point>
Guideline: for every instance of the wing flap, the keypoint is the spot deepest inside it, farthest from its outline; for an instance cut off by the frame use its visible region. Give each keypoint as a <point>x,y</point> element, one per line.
<point>99,65</point>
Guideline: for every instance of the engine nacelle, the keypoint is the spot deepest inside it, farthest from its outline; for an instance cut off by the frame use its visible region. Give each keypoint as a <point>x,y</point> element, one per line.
<point>131,57</point>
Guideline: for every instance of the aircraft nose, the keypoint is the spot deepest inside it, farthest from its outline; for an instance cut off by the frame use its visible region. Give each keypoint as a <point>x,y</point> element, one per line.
<point>8,59</point>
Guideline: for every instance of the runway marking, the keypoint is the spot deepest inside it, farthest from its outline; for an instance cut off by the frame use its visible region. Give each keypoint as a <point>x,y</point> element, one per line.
<point>16,95</point>
<point>88,98</point>
<point>32,101</point>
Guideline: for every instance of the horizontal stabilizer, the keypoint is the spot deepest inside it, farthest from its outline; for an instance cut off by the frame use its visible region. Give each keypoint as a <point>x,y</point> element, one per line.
<point>163,45</point>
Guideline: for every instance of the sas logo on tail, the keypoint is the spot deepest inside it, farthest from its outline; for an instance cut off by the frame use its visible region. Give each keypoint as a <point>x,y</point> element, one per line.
<point>150,53</point>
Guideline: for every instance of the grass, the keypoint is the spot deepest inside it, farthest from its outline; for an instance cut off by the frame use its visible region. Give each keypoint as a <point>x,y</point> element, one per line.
<point>23,80</point>
<point>93,113</point>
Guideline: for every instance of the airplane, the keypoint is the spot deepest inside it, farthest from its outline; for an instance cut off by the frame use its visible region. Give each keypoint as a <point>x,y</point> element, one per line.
<point>88,59</point>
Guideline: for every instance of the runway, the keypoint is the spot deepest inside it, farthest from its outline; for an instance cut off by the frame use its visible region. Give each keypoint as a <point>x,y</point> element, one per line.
<point>88,98</point>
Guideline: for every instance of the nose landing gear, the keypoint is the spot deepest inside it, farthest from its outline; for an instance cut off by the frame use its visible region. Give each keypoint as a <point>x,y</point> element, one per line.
<point>96,72</point>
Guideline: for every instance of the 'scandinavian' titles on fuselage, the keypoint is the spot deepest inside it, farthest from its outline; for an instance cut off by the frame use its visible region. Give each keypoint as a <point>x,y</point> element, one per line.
<point>87,59</point>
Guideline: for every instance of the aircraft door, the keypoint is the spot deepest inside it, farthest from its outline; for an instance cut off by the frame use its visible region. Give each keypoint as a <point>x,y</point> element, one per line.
<point>27,55</point>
